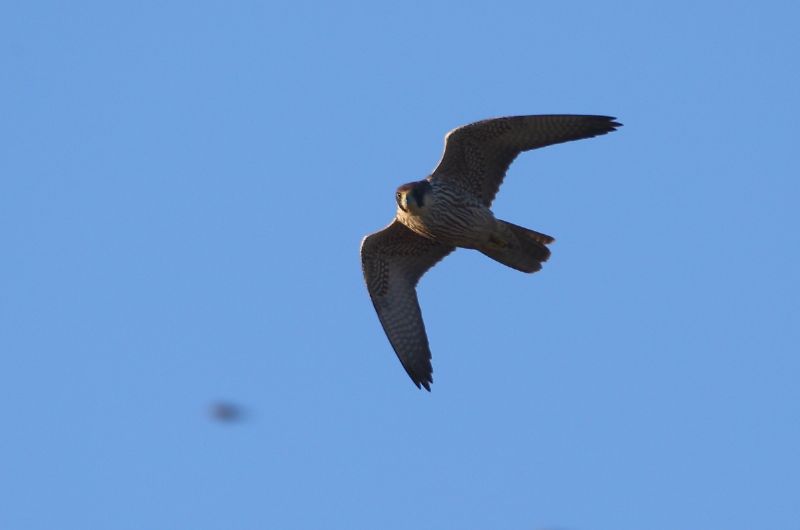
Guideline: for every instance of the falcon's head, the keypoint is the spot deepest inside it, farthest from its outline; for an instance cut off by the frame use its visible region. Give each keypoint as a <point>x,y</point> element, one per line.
<point>414,196</point>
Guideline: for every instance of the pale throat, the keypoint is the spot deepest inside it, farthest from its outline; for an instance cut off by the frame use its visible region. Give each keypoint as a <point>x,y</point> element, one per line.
<point>413,207</point>
<point>417,217</point>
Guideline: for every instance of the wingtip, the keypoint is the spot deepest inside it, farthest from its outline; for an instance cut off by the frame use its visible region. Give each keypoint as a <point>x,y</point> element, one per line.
<point>422,383</point>
<point>612,122</point>
<point>604,125</point>
<point>420,374</point>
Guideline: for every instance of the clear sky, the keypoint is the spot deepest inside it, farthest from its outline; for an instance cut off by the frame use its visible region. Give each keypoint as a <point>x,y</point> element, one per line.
<point>183,190</point>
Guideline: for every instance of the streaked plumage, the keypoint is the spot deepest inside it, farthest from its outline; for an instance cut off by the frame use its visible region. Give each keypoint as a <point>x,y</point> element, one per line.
<point>449,209</point>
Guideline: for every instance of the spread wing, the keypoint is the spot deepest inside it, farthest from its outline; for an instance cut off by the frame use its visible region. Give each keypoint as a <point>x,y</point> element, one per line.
<point>393,261</point>
<point>477,156</point>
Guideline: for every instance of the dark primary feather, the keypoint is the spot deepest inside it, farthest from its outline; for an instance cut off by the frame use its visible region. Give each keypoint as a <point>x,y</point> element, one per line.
<point>477,156</point>
<point>393,260</point>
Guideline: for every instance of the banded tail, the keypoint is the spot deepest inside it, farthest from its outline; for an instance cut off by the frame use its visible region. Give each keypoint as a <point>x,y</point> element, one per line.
<point>517,247</point>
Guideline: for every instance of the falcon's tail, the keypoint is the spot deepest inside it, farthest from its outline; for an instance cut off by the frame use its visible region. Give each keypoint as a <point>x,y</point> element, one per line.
<point>518,247</point>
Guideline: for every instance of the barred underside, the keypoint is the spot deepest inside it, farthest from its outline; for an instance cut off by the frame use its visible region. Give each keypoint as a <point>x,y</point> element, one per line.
<point>453,217</point>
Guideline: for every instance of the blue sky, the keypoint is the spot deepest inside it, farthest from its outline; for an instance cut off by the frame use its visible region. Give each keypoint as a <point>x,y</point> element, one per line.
<point>183,190</point>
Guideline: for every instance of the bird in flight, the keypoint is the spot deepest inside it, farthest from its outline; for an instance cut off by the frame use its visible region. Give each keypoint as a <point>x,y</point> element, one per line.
<point>449,209</point>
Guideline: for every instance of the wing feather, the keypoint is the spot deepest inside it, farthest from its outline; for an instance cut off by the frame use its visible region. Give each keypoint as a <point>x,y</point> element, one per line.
<point>393,260</point>
<point>477,156</point>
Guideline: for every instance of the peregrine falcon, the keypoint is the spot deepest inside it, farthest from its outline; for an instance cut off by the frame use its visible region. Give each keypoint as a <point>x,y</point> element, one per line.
<point>449,209</point>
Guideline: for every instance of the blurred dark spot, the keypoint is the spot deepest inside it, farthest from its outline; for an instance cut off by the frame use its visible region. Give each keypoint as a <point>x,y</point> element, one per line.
<point>225,412</point>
